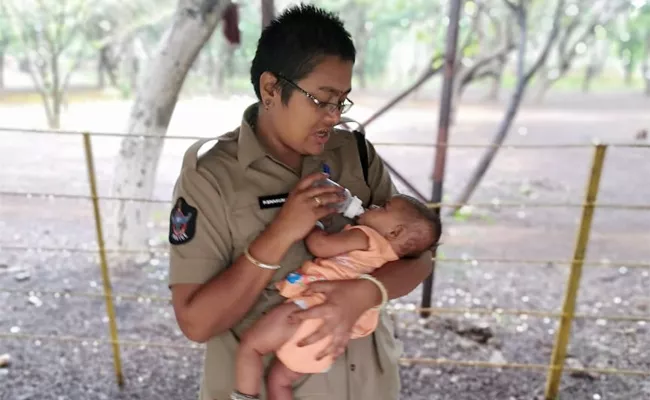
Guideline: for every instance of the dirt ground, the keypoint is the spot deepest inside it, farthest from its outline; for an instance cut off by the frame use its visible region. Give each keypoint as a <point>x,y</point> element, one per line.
<point>55,369</point>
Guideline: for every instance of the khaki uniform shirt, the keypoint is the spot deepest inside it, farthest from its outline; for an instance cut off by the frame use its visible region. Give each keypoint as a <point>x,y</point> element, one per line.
<point>224,186</point>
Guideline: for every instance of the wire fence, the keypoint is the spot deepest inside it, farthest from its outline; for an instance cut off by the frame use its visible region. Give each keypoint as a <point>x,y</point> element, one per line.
<point>566,317</point>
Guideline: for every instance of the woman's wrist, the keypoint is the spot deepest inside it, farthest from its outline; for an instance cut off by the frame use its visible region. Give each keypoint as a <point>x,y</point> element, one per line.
<point>270,246</point>
<point>372,294</point>
<point>383,293</point>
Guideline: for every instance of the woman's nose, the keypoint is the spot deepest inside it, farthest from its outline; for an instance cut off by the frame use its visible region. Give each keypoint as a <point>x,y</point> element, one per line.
<point>332,118</point>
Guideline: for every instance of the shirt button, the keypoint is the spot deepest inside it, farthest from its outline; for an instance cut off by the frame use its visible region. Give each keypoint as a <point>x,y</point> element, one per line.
<point>352,367</point>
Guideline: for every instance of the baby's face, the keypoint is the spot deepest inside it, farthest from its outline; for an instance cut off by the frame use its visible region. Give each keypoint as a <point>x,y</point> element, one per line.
<point>385,218</point>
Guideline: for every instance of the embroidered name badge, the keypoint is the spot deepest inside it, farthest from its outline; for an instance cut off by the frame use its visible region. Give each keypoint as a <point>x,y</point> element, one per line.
<point>182,222</point>
<point>272,201</point>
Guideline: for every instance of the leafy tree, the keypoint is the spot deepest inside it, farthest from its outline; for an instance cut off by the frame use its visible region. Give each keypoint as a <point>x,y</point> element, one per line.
<point>580,23</point>
<point>51,34</point>
<point>631,38</point>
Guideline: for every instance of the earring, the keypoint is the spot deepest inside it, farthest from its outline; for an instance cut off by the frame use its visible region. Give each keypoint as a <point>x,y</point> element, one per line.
<point>267,104</point>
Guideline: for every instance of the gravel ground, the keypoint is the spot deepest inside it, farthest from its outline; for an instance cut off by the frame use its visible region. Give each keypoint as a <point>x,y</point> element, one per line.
<point>58,369</point>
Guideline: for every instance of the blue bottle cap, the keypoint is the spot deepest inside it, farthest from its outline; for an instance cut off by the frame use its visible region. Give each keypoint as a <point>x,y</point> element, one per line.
<point>293,277</point>
<point>326,169</point>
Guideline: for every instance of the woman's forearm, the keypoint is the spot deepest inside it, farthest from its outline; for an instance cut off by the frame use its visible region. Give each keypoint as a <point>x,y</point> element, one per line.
<point>224,300</point>
<point>400,277</point>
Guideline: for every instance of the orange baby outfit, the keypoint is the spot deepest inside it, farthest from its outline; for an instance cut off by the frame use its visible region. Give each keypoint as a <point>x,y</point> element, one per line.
<point>346,266</point>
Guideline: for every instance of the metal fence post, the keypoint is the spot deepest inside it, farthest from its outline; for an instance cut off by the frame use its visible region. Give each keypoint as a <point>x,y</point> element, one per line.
<point>573,283</point>
<point>451,50</point>
<point>106,280</point>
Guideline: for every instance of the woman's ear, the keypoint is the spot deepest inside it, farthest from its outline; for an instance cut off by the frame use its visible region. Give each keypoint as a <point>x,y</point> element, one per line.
<point>268,86</point>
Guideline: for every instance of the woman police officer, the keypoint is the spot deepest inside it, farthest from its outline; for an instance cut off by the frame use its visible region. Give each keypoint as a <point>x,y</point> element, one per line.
<point>242,210</point>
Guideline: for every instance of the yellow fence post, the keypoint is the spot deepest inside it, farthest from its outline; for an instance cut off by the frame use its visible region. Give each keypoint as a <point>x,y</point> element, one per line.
<point>573,284</point>
<point>108,291</point>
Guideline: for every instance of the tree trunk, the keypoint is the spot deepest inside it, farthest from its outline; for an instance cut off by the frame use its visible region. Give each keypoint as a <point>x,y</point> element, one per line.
<point>596,61</point>
<point>135,171</point>
<point>361,73</point>
<point>56,91</point>
<point>502,28</point>
<point>361,39</point>
<point>497,78</point>
<point>523,79</point>
<point>590,74</point>
<point>106,68</point>
<point>101,77</point>
<point>2,69</point>
<point>268,12</point>
<point>545,84</point>
<point>55,122</point>
<point>646,65</point>
<point>628,72</point>
<point>211,68</point>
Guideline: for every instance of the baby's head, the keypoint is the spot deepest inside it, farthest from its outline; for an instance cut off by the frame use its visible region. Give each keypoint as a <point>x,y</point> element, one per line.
<point>410,226</point>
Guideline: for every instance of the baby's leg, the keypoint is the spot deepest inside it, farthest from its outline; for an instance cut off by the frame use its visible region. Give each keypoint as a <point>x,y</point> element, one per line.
<point>264,337</point>
<point>279,383</point>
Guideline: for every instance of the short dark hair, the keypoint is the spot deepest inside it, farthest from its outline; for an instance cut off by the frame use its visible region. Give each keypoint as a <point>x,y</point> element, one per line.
<point>295,42</point>
<point>425,226</point>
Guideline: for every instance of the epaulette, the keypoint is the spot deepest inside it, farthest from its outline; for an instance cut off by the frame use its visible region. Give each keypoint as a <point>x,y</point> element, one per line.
<point>191,157</point>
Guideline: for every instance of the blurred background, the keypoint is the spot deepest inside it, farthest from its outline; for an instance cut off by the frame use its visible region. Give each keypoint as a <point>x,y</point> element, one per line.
<point>540,80</point>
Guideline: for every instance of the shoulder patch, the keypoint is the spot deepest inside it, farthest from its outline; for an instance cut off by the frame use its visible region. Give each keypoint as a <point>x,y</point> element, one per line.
<point>182,222</point>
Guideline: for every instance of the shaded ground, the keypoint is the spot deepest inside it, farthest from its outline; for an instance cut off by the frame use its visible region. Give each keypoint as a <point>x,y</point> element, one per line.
<point>45,369</point>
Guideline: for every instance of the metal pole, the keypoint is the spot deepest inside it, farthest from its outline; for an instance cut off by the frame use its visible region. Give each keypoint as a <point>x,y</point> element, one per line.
<point>443,130</point>
<point>573,283</point>
<point>106,280</point>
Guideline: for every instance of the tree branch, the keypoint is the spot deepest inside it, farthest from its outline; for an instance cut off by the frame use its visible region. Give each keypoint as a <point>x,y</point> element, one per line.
<point>541,59</point>
<point>75,65</point>
<point>44,31</point>
<point>523,79</point>
<point>60,24</point>
<point>80,14</point>
<point>512,6</point>
<point>470,74</point>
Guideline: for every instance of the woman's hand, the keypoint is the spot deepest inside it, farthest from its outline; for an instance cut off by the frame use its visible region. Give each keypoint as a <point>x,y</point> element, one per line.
<point>346,301</point>
<point>304,206</point>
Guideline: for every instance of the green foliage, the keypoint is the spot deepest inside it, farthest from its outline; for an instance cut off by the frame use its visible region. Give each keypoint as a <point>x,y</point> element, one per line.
<point>385,31</point>
<point>629,34</point>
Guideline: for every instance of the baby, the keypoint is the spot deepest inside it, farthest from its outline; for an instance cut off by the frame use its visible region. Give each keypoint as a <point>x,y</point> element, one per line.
<point>403,227</point>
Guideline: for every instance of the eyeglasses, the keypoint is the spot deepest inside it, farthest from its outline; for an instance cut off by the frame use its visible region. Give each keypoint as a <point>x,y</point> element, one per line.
<point>341,107</point>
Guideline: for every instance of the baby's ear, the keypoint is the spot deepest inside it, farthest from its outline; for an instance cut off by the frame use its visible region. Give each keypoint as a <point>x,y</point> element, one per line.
<point>397,232</point>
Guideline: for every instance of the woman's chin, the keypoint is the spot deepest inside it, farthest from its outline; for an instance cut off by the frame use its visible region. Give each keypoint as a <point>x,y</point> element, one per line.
<point>314,148</point>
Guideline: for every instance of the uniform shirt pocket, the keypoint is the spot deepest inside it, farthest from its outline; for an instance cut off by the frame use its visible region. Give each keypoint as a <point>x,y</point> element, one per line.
<point>250,221</point>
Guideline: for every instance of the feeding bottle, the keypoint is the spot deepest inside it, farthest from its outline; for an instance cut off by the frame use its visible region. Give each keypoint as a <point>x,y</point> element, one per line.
<point>351,206</point>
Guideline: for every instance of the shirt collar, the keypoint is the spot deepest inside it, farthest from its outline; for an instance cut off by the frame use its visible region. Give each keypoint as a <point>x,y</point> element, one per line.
<point>249,148</point>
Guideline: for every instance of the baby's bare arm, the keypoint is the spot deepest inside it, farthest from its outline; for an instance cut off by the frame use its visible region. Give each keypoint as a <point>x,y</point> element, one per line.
<point>324,245</point>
